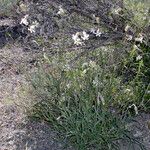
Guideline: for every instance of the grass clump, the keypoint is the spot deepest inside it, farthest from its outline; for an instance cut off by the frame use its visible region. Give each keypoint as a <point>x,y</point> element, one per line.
<point>136,74</point>
<point>78,104</point>
<point>140,10</point>
<point>84,101</point>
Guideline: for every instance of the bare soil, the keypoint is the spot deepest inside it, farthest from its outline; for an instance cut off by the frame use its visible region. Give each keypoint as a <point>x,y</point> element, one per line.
<point>16,131</point>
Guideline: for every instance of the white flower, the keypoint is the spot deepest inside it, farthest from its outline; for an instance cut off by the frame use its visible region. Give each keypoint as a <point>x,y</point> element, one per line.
<point>135,47</point>
<point>135,108</point>
<point>24,20</point>
<point>127,28</point>
<point>140,38</point>
<point>84,64</point>
<point>77,40</point>
<point>139,57</point>
<point>127,90</point>
<point>95,81</point>
<point>98,33</point>
<point>96,18</point>
<point>84,72</point>
<point>117,10</point>
<point>58,118</point>
<point>32,27</point>
<point>100,98</point>
<point>85,36</point>
<point>93,31</point>
<point>75,36</point>
<point>94,15</point>
<point>92,64</point>
<point>129,37</point>
<point>68,85</point>
<point>61,11</point>
<point>148,92</point>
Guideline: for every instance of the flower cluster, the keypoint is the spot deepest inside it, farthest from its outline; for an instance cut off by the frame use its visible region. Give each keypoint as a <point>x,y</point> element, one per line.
<point>139,38</point>
<point>139,57</point>
<point>97,19</point>
<point>116,10</point>
<point>135,108</point>
<point>33,25</point>
<point>127,27</point>
<point>79,37</point>
<point>96,32</point>
<point>129,37</point>
<point>61,11</point>
<point>24,20</point>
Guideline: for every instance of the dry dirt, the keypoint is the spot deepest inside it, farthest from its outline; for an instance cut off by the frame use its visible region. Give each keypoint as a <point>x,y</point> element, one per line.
<point>16,131</point>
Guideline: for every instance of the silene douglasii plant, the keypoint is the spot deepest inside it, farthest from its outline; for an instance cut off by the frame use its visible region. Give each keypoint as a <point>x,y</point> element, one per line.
<point>95,72</point>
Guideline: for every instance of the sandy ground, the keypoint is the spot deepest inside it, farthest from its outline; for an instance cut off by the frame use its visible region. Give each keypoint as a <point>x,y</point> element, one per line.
<point>16,131</point>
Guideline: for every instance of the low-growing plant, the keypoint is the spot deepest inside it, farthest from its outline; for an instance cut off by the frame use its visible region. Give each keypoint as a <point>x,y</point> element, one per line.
<point>140,10</point>
<point>84,99</point>
<point>78,103</point>
<point>136,74</point>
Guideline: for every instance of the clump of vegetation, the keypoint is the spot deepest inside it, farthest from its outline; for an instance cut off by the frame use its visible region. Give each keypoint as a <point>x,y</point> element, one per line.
<point>140,10</point>
<point>95,71</point>
<point>77,103</point>
<point>136,73</point>
<point>63,35</point>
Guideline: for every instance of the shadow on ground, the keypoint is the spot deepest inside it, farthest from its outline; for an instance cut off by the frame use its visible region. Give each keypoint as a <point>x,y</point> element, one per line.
<point>20,134</point>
